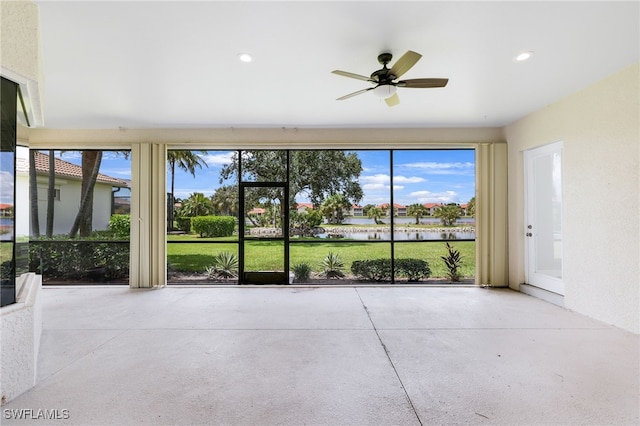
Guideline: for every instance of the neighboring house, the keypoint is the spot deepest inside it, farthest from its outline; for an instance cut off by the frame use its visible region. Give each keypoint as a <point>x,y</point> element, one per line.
<point>258,211</point>
<point>6,210</point>
<point>67,194</point>
<point>431,208</point>
<point>400,210</point>
<point>356,210</point>
<point>304,207</point>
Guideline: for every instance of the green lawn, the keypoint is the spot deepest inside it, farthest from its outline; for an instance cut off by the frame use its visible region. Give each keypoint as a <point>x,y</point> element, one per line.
<point>268,255</point>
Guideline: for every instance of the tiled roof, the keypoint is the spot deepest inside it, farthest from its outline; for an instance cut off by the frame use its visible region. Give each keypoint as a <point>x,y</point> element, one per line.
<point>70,170</point>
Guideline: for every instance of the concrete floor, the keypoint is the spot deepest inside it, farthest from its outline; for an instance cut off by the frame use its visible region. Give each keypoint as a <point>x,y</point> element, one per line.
<point>327,356</point>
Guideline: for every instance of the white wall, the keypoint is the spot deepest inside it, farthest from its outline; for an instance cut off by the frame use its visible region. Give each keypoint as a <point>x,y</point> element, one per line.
<point>600,129</point>
<point>66,209</point>
<point>20,331</point>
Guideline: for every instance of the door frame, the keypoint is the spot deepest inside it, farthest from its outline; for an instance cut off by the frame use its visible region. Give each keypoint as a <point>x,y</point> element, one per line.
<point>542,281</point>
<point>263,277</point>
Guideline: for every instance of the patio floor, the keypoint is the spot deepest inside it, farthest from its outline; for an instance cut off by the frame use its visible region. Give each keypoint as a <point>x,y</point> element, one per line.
<point>326,356</point>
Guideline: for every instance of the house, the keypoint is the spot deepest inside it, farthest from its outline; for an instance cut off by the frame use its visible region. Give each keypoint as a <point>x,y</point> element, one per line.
<point>304,207</point>
<point>68,184</point>
<point>356,210</point>
<point>398,209</point>
<point>578,94</point>
<point>431,208</point>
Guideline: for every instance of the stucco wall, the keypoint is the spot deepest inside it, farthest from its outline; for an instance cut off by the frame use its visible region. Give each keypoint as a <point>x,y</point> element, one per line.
<point>66,209</point>
<point>20,331</point>
<point>600,129</point>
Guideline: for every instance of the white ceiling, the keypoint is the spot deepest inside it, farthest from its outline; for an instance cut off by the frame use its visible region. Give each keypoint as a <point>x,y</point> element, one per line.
<point>174,64</point>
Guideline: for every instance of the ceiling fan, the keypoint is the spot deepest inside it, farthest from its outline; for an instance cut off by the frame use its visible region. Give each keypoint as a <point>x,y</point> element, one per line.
<point>384,79</point>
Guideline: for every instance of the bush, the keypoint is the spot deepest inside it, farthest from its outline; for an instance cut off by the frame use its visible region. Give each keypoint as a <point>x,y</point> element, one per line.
<point>225,265</point>
<point>380,269</point>
<point>120,225</point>
<point>67,259</point>
<point>213,226</point>
<point>372,270</point>
<point>301,272</point>
<point>183,224</point>
<point>413,269</point>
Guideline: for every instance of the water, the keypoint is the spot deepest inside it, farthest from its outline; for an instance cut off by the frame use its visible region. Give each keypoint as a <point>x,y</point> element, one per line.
<point>407,220</point>
<point>402,236</point>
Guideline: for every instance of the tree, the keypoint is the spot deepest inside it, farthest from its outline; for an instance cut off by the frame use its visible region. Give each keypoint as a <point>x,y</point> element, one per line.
<point>365,209</point>
<point>225,200</point>
<point>417,210</point>
<point>317,174</point>
<point>332,208</point>
<point>33,194</point>
<point>471,207</point>
<point>375,213</point>
<point>83,222</point>
<point>196,205</point>
<point>187,161</point>
<point>51,193</point>
<point>448,214</point>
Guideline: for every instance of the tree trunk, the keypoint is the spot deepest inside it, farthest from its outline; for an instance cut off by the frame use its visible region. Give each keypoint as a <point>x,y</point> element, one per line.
<point>172,206</point>
<point>51,193</point>
<point>33,194</point>
<point>84,219</point>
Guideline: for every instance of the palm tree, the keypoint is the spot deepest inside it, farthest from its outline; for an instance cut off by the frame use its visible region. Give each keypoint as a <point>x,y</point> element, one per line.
<point>225,200</point>
<point>51,193</point>
<point>332,208</point>
<point>187,161</point>
<point>196,205</point>
<point>417,210</point>
<point>91,160</point>
<point>33,194</point>
<point>471,207</point>
<point>448,214</point>
<point>375,213</point>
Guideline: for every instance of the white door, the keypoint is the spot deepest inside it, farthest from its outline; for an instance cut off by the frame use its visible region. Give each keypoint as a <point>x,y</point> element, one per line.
<point>543,217</point>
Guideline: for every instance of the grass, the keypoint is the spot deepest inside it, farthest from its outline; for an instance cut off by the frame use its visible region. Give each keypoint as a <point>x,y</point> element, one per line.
<point>269,255</point>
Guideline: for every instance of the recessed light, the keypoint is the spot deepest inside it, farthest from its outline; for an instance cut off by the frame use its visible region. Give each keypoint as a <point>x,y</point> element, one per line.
<point>245,57</point>
<point>523,56</point>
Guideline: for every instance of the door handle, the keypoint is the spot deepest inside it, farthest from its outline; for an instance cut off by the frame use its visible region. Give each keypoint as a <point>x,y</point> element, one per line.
<point>529,234</point>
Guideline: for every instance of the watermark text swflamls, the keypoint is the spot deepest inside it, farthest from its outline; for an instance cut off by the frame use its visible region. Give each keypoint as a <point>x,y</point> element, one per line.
<point>35,414</point>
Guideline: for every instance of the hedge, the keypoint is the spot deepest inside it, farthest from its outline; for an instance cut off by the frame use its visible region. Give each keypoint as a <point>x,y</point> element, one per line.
<point>380,269</point>
<point>213,226</point>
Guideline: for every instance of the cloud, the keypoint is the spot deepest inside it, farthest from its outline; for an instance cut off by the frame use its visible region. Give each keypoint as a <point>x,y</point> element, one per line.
<point>6,187</point>
<point>435,168</point>
<point>404,179</point>
<point>375,179</point>
<point>222,158</point>
<point>436,197</point>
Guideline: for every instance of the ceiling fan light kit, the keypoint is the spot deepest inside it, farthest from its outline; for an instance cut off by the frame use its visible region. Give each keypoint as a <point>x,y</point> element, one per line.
<point>383,91</point>
<point>384,79</point>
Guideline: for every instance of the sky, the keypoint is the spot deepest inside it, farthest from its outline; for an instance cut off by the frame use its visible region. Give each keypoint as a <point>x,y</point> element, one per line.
<point>420,176</point>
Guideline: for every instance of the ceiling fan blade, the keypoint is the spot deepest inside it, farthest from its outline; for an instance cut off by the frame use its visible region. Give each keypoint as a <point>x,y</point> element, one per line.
<point>393,100</point>
<point>405,63</point>
<point>352,75</point>
<point>351,95</point>
<point>423,82</point>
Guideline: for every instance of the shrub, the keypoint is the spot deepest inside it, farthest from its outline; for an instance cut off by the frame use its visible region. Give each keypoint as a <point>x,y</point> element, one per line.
<point>225,265</point>
<point>380,269</point>
<point>372,270</point>
<point>64,258</point>
<point>301,272</point>
<point>453,261</point>
<point>213,226</point>
<point>183,224</point>
<point>413,269</point>
<point>120,225</point>
<point>332,266</point>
